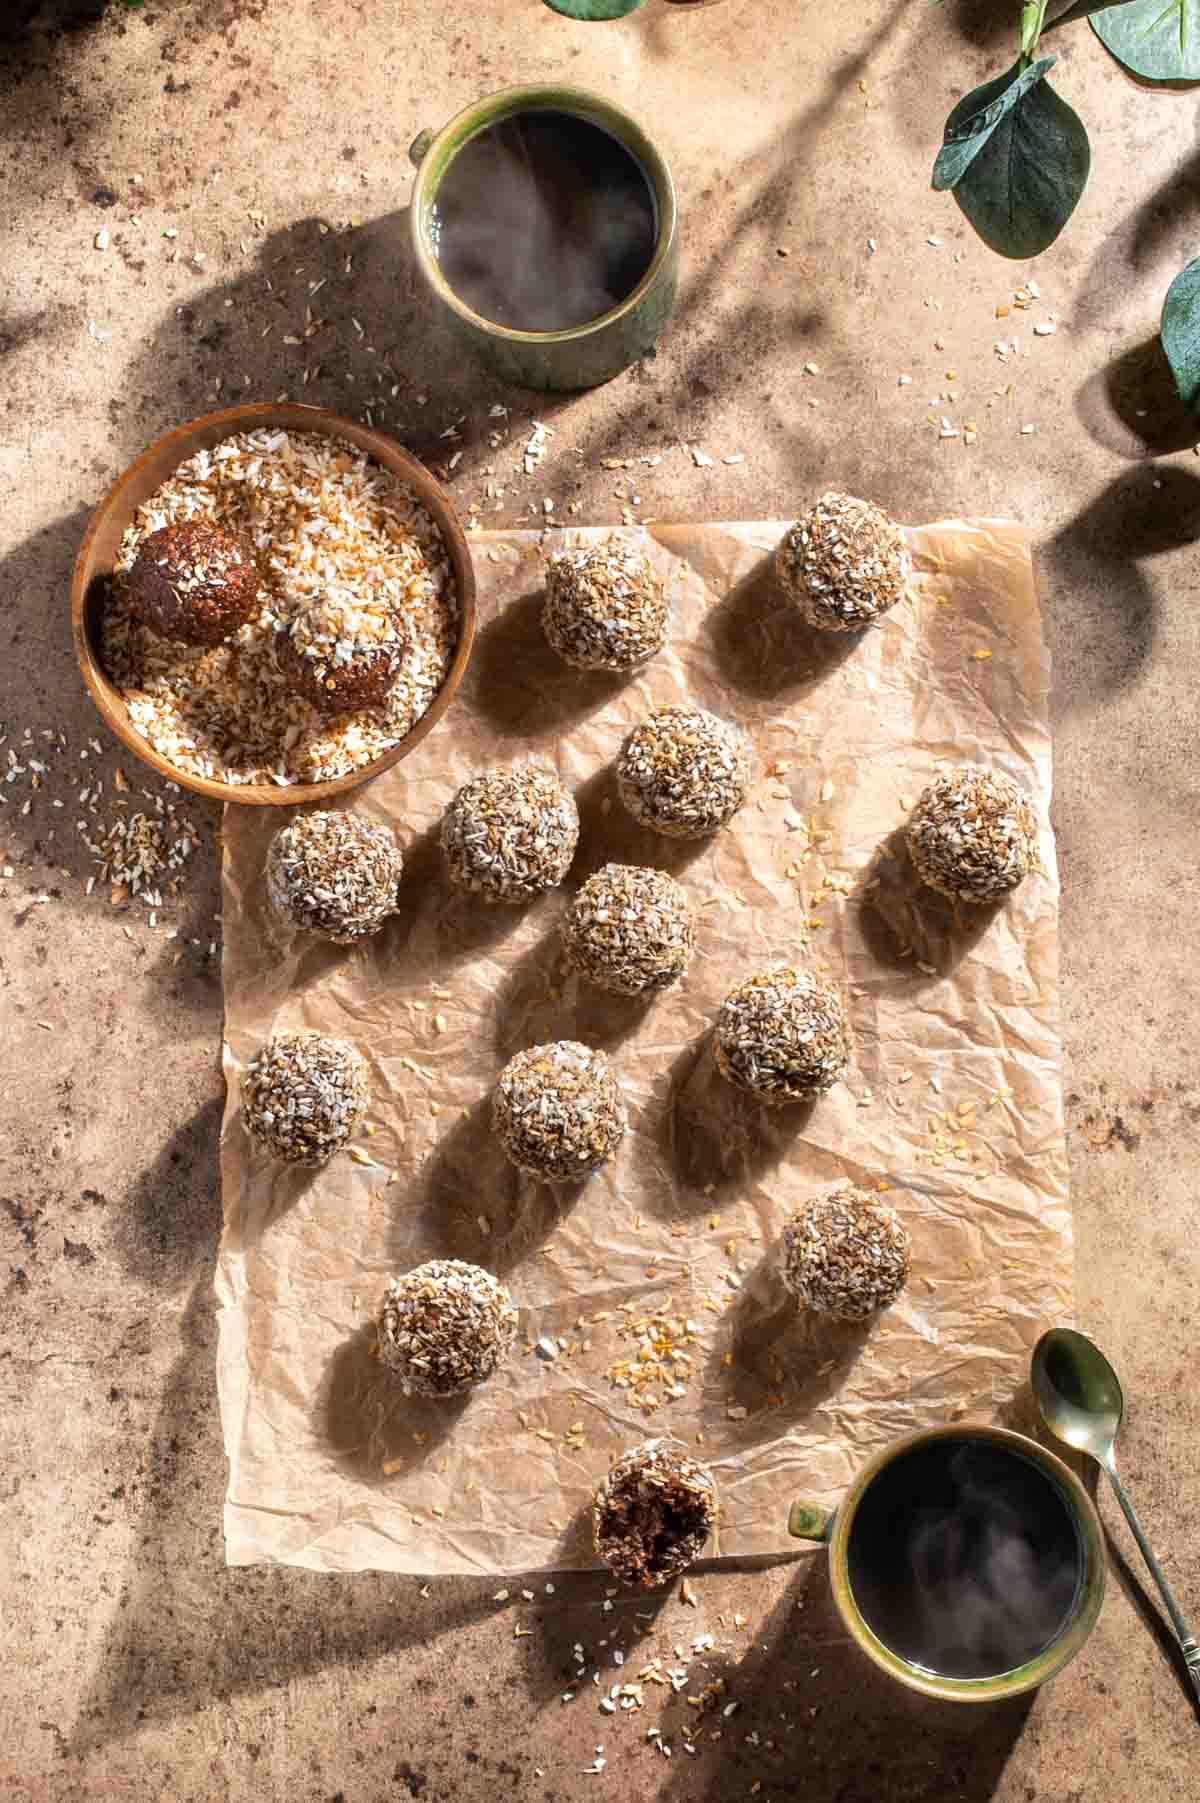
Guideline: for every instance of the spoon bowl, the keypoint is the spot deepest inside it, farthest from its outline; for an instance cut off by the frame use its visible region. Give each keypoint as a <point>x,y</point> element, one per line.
<point>1078,1392</point>
<point>1080,1398</point>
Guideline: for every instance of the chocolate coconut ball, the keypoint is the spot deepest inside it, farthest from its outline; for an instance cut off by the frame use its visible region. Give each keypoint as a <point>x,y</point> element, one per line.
<point>197,582</point>
<point>445,1327</point>
<point>973,835</point>
<point>509,835</point>
<point>845,1254</point>
<point>684,772</point>
<point>304,1095</point>
<point>605,607</point>
<point>558,1111</point>
<point>844,564</point>
<point>335,875</point>
<point>341,646</point>
<point>653,1514</point>
<point>782,1035</point>
<point>629,930</point>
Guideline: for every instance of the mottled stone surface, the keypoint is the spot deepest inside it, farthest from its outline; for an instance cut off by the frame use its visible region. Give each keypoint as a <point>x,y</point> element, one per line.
<point>138,1667</point>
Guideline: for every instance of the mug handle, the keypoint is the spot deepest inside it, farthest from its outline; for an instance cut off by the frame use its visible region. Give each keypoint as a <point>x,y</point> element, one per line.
<point>419,148</point>
<point>809,1521</point>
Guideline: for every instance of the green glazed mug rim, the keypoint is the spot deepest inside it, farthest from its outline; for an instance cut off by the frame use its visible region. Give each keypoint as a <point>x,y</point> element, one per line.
<point>434,153</point>
<point>1053,1657</point>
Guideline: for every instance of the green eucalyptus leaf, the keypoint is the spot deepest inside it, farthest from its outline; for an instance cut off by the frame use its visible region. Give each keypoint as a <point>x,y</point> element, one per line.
<point>976,117</point>
<point>1181,332</point>
<point>1080,10</point>
<point>1020,189</point>
<point>594,9</point>
<point>1157,39</point>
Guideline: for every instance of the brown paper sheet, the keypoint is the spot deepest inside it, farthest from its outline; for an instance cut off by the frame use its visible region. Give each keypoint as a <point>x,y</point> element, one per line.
<point>957,1020</point>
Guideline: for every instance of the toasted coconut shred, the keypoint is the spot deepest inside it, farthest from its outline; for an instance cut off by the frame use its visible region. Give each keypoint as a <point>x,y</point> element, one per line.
<point>557,1110</point>
<point>653,1514</point>
<point>304,1095</point>
<point>684,772</point>
<point>334,874</point>
<point>347,557</point>
<point>844,564</point>
<point>445,1327</point>
<point>782,1035</point>
<point>509,835</point>
<point>630,930</point>
<point>973,835</point>
<point>846,1254</point>
<point>605,607</point>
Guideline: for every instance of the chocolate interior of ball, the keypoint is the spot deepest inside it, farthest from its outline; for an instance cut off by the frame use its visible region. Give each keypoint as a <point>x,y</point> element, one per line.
<point>197,582</point>
<point>653,1514</point>
<point>338,688</point>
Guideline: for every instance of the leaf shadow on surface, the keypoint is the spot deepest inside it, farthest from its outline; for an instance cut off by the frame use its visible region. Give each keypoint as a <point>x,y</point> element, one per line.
<point>170,1220</point>
<point>716,1139</point>
<point>718,344</point>
<point>1166,217</point>
<point>1133,407</point>
<point>986,25</point>
<point>907,925</point>
<point>776,1359</point>
<point>188,1631</point>
<point>1102,618</point>
<point>185,1630</point>
<point>361,323</point>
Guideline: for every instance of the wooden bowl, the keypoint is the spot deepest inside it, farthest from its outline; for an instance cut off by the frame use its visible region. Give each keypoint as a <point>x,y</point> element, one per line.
<point>106,528</point>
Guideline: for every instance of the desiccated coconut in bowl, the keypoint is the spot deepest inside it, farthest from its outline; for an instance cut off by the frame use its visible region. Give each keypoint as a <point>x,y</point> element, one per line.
<point>365,595</point>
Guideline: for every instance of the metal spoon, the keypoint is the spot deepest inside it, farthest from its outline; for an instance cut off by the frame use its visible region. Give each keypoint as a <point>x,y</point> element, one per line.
<point>1080,1397</point>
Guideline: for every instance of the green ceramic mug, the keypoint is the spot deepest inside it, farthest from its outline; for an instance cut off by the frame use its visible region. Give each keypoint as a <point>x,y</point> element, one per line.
<point>580,356</point>
<point>834,1529</point>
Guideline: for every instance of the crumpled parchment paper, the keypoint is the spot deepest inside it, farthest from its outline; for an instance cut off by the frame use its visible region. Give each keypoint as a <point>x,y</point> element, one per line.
<point>953,1100</point>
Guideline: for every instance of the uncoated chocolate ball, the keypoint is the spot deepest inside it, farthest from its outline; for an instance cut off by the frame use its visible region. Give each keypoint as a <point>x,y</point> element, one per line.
<point>197,582</point>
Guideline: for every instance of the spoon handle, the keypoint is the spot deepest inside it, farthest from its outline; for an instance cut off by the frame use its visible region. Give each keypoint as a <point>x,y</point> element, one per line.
<point>1187,1640</point>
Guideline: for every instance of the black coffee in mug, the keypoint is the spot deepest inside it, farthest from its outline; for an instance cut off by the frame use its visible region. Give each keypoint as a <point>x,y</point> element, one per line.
<point>964,1559</point>
<point>544,221</point>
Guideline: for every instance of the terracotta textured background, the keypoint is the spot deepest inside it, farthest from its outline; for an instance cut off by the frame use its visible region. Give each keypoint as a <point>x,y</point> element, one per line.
<point>136,1666</point>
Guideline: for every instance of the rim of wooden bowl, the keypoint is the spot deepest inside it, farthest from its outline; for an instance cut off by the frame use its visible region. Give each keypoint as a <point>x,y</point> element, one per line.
<point>106,528</point>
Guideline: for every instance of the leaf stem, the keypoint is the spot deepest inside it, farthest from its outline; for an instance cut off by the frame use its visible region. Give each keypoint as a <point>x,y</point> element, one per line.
<point>1033,13</point>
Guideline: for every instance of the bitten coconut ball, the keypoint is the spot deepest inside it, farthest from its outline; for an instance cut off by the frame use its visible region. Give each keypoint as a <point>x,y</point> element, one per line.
<point>304,1095</point>
<point>558,1111</point>
<point>845,1254</point>
<point>605,607</point>
<point>973,835</point>
<point>653,1514</point>
<point>782,1035</point>
<point>445,1327</point>
<point>684,772</point>
<point>629,930</point>
<point>844,564</point>
<point>341,647</point>
<point>509,835</point>
<point>197,582</point>
<point>334,874</point>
